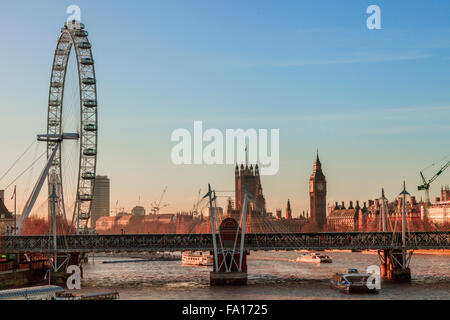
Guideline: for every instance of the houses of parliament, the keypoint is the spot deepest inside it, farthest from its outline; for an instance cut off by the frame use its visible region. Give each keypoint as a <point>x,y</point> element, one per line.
<point>259,220</point>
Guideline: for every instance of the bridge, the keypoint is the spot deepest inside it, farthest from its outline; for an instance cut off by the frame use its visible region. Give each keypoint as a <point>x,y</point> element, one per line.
<point>204,242</point>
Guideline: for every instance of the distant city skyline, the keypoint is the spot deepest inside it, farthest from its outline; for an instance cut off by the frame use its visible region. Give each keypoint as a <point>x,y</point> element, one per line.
<point>375,103</point>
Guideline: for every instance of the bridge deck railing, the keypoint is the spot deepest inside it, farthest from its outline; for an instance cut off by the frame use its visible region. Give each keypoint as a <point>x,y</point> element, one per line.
<point>203,242</point>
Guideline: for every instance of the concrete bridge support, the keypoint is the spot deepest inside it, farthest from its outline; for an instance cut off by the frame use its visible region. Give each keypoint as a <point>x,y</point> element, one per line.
<point>58,271</point>
<point>394,265</point>
<point>395,262</point>
<point>231,265</point>
<point>227,278</point>
<point>232,275</point>
<point>230,257</point>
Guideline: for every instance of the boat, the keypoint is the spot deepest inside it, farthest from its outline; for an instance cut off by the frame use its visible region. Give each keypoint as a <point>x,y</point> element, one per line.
<point>113,295</point>
<point>352,281</point>
<point>31,293</point>
<point>27,270</point>
<point>196,259</point>
<point>315,257</point>
<point>51,292</point>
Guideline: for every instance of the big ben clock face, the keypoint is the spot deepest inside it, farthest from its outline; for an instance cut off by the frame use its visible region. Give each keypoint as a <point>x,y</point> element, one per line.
<point>320,186</point>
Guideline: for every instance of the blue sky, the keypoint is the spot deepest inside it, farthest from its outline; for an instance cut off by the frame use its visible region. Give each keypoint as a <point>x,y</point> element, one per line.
<point>375,102</point>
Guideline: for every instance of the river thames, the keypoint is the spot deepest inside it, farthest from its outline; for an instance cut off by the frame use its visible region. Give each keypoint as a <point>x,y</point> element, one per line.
<point>271,275</point>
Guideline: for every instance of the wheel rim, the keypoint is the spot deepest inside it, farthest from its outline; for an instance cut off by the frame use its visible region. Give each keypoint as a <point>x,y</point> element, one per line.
<point>74,37</point>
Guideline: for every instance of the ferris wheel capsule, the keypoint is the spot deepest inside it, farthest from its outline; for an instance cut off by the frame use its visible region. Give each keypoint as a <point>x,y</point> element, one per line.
<point>84,45</point>
<point>90,103</point>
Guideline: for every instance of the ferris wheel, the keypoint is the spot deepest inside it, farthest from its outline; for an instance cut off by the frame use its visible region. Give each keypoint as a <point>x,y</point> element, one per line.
<point>72,101</point>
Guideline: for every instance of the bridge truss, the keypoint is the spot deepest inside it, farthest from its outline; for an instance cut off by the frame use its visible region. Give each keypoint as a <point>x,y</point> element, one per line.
<point>203,242</point>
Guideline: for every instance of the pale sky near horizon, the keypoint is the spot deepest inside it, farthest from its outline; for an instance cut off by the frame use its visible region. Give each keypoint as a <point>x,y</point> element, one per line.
<point>376,103</point>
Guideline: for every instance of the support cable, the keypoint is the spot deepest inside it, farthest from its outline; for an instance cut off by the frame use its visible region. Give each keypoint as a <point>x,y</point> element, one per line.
<point>23,172</point>
<point>17,160</point>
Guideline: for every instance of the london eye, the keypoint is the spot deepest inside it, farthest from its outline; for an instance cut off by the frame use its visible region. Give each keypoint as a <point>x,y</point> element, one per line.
<point>72,107</point>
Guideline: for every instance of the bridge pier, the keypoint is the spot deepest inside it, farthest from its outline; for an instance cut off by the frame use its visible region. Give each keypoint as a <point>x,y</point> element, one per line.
<point>231,265</point>
<point>231,277</point>
<point>227,278</point>
<point>58,271</point>
<point>230,257</point>
<point>394,265</point>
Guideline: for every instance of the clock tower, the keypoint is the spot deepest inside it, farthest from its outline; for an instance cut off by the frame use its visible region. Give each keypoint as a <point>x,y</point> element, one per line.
<point>317,195</point>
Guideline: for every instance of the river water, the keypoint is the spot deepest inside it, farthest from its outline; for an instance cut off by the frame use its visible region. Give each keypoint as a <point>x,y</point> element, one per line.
<point>271,275</point>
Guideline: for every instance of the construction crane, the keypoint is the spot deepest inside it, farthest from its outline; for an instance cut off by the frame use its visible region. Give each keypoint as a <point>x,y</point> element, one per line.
<point>196,204</point>
<point>426,185</point>
<point>156,206</point>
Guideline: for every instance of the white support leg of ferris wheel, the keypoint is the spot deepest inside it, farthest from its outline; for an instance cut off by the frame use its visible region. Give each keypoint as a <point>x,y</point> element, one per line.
<point>36,190</point>
<point>57,139</point>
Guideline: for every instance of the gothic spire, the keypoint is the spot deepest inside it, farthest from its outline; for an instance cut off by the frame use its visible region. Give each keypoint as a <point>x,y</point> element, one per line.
<point>317,168</point>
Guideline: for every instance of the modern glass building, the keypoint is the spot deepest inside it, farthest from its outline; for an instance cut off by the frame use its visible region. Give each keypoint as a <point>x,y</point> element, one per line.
<point>100,204</point>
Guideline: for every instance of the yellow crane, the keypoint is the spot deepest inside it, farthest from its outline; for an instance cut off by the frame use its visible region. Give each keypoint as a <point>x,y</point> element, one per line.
<point>426,185</point>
